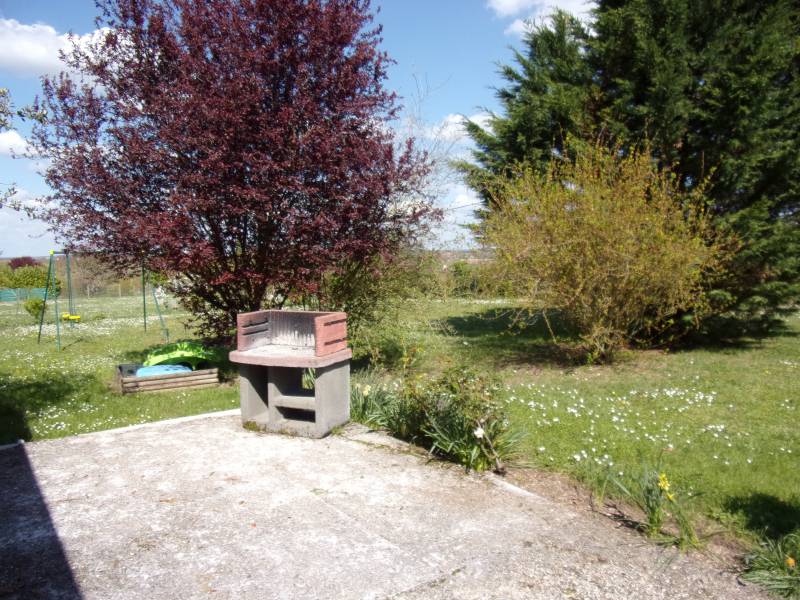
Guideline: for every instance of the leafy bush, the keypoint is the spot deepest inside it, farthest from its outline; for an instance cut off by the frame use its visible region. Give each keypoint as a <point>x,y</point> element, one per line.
<point>29,277</point>
<point>453,416</point>
<point>33,306</point>
<point>372,294</point>
<point>609,239</point>
<point>23,261</point>
<point>467,279</point>
<point>651,491</point>
<point>32,277</point>
<point>776,565</point>
<point>477,443</point>
<point>6,276</point>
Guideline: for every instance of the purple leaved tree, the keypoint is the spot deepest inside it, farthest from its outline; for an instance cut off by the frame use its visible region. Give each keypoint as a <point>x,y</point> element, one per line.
<point>242,146</point>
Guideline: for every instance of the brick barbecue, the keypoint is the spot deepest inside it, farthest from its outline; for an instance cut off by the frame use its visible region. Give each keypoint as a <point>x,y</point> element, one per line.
<point>274,350</point>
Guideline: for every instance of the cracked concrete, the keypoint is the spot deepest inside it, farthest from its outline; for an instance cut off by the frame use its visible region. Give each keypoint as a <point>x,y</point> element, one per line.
<point>202,508</point>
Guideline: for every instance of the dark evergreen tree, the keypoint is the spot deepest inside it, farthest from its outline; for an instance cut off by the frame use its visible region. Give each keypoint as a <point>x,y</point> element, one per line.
<point>713,85</point>
<point>549,96</point>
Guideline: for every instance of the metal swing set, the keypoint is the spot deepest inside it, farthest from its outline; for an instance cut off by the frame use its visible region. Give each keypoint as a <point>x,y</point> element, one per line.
<point>51,287</point>
<point>71,317</point>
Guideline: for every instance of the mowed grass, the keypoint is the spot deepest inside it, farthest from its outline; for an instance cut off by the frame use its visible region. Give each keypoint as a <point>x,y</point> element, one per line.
<point>47,393</point>
<point>724,421</point>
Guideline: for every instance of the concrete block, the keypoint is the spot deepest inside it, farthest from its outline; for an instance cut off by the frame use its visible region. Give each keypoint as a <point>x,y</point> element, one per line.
<point>273,350</point>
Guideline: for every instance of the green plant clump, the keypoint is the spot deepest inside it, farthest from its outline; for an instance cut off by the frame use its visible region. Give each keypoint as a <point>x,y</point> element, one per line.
<point>33,306</point>
<point>665,518</point>
<point>610,240</point>
<point>34,277</point>
<point>453,415</point>
<point>775,565</point>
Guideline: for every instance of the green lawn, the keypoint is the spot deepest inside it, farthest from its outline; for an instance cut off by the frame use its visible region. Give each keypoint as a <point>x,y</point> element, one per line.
<point>725,421</point>
<point>46,393</point>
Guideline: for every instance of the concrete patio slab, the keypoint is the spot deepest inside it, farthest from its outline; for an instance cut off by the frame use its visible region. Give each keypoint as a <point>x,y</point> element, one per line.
<point>204,509</point>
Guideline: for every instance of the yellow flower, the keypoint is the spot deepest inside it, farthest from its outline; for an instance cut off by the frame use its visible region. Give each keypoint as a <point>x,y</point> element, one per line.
<point>790,562</point>
<point>670,497</point>
<point>663,482</point>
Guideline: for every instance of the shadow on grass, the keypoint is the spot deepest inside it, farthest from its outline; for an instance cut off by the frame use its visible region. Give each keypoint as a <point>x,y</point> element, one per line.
<point>22,398</point>
<point>765,514</point>
<point>33,563</point>
<point>505,338</point>
<point>730,336</point>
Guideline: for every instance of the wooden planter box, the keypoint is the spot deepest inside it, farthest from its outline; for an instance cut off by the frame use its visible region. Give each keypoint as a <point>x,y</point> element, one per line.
<point>129,383</point>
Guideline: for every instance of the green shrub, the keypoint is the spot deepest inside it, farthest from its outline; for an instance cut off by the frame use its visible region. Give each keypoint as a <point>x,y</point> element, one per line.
<point>467,279</point>
<point>454,416</point>
<point>478,444</point>
<point>372,294</point>
<point>29,277</point>
<point>6,275</point>
<point>33,306</point>
<point>608,239</point>
<point>33,277</point>
<point>776,565</point>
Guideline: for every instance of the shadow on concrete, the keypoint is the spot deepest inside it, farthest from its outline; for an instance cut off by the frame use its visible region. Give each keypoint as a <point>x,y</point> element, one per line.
<point>33,564</point>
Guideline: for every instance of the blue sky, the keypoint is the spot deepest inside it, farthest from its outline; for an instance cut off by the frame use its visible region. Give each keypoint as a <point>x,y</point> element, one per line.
<point>446,51</point>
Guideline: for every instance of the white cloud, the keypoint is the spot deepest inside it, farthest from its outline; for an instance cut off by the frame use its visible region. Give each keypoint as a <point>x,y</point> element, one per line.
<point>12,143</point>
<point>461,197</point>
<point>33,50</point>
<point>518,27</point>
<point>20,235</point>
<point>30,49</point>
<point>451,129</point>
<point>509,8</point>
<point>536,9</point>
<point>458,203</point>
